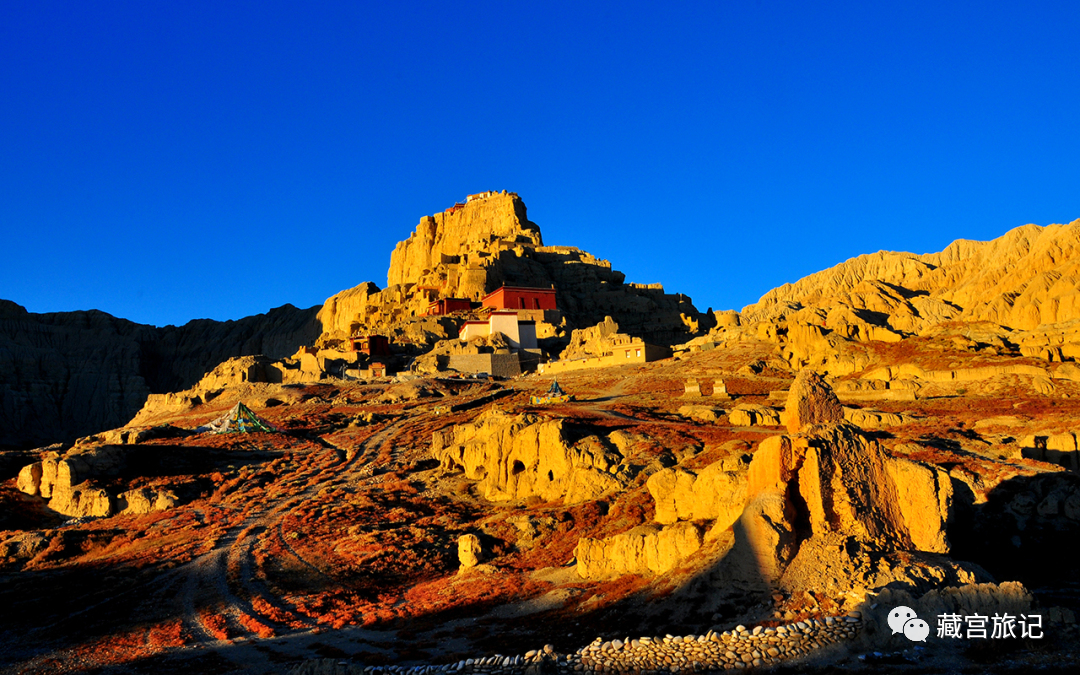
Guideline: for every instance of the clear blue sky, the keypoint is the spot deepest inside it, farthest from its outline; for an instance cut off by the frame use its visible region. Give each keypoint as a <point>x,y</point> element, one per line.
<point>166,161</point>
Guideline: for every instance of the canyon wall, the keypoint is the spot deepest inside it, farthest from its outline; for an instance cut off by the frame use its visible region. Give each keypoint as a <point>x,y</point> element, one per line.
<point>69,374</point>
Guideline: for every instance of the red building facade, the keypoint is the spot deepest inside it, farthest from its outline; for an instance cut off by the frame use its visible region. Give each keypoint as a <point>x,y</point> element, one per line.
<point>372,345</point>
<point>444,306</point>
<point>520,297</point>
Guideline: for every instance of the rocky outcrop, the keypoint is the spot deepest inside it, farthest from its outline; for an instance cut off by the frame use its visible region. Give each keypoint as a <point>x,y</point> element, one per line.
<point>474,248</point>
<point>68,481</point>
<point>256,379</point>
<point>647,549</point>
<point>1015,293</point>
<point>811,401</point>
<point>846,483</point>
<point>716,493</point>
<point>458,240</point>
<point>1024,279</point>
<point>826,495</point>
<point>691,507</point>
<point>874,419</point>
<point>705,414</point>
<point>592,341</point>
<point>468,550</point>
<point>753,414</point>
<point>70,374</point>
<point>519,456</point>
<point>144,500</point>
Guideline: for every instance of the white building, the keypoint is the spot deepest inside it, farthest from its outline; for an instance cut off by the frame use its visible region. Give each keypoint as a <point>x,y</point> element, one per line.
<point>520,334</point>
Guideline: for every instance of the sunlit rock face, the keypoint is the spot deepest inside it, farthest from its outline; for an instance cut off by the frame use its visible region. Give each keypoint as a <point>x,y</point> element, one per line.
<point>487,242</point>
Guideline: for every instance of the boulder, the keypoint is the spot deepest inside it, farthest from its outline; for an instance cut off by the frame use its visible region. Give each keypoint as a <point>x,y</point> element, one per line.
<point>811,401</point>
<point>873,419</point>
<point>82,501</point>
<point>753,414</point>
<point>701,413</point>
<point>29,480</point>
<point>715,493</point>
<point>469,552</point>
<point>144,500</point>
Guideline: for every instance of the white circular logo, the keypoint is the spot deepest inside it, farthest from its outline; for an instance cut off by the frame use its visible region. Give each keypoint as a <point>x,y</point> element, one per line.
<point>916,630</point>
<point>899,616</point>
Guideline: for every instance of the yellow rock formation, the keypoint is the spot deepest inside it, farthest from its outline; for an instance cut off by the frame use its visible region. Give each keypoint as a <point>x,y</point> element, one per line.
<point>519,456</point>
<point>642,550</point>
<point>714,493</point>
<point>811,401</point>
<point>455,236</point>
<point>849,484</point>
<point>67,481</point>
<point>1026,278</point>
<point>468,550</point>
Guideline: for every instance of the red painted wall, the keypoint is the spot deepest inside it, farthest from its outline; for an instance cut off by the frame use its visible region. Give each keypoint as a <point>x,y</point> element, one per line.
<point>521,298</point>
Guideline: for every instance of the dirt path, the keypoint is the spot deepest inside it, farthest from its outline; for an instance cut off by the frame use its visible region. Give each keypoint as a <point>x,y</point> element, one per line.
<point>225,606</point>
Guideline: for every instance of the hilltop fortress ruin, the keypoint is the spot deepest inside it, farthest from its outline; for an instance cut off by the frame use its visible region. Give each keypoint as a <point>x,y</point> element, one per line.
<point>73,373</point>
<point>763,487</point>
<point>487,242</point>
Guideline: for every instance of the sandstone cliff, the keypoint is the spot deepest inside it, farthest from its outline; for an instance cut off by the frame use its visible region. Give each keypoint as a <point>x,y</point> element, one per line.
<point>799,496</point>
<point>473,249</point>
<point>68,482</point>
<point>1015,295</point>
<point>519,456</point>
<point>1025,278</point>
<point>69,374</point>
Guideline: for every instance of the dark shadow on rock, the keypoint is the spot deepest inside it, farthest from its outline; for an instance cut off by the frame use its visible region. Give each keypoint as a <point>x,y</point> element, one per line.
<point>1026,530</point>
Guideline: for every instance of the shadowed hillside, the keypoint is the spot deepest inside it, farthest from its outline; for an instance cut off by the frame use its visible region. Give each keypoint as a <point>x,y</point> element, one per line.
<point>68,374</point>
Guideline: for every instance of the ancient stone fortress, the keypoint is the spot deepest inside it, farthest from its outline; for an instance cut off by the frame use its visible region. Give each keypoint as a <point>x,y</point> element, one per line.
<point>486,251</point>
<point>738,489</point>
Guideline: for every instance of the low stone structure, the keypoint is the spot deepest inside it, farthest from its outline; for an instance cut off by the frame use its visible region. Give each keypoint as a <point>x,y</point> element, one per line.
<point>601,346</point>
<point>692,389</point>
<point>518,456</point>
<point>498,364</point>
<point>720,391</point>
<point>67,481</point>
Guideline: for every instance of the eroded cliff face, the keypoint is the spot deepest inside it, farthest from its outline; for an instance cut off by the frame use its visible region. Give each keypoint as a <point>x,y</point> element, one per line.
<point>1023,279</point>
<point>827,492</point>
<point>69,374</point>
<point>460,236</point>
<point>519,456</point>
<point>1016,295</point>
<point>473,249</point>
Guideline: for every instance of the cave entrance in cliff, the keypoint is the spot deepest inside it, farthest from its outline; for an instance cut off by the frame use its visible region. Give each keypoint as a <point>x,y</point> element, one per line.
<point>517,468</point>
<point>801,522</point>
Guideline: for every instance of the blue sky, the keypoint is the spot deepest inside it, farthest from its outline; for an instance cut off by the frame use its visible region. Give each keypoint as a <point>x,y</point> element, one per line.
<point>171,161</point>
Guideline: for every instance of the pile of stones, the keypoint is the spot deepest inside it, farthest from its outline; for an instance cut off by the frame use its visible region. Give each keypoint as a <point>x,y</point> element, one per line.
<point>735,649</point>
